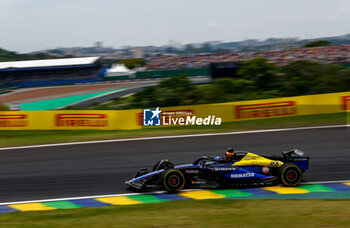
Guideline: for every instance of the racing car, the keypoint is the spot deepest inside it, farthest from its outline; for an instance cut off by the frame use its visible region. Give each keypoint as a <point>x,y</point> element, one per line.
<point>209,172</point>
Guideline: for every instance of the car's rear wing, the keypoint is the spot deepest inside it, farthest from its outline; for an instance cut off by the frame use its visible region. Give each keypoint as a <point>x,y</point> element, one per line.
<point>297,157</point>
<point>301,162</point>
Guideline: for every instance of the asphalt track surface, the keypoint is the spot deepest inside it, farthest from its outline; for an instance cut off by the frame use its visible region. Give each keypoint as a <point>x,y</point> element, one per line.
<point>102,168</point>
<point>130,90</point>
<point>110,96</point>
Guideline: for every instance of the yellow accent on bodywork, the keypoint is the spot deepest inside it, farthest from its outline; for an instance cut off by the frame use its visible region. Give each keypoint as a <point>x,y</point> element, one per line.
<point>254,159</point>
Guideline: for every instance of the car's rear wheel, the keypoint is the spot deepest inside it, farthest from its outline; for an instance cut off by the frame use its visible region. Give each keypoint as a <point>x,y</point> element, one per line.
<point>173,180</point>
<point>290,175</point>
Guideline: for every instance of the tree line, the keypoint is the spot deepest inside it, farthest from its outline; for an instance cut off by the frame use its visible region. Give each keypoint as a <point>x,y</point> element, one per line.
<point>257,79</point>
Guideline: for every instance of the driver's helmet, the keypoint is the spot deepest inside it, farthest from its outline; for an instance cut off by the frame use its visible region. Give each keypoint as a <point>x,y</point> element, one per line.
<point>229,153</point>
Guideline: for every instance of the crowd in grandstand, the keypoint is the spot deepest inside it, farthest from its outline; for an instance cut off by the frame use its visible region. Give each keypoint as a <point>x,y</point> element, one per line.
<point>328,54</point>
<point>53,76</point>
<point>47,75</point>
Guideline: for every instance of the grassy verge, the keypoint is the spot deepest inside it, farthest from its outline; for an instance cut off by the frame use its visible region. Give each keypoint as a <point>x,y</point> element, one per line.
<point>17,138</point>
<point>208,213</point>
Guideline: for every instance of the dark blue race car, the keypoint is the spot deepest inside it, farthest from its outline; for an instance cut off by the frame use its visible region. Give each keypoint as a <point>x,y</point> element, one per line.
<point>214,172</point>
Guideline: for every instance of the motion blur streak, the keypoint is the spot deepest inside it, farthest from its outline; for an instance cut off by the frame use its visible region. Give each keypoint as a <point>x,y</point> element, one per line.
<point>102,168</point>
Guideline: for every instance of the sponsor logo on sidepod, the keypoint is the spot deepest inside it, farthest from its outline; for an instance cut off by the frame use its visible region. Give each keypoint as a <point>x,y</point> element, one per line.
<point>225,169</point>
<point>242,175</point>
<point>265,169</point>
<point>191,171</point>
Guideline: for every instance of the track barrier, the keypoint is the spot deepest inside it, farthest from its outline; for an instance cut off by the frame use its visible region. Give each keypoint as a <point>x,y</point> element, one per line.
<point>133,119</point>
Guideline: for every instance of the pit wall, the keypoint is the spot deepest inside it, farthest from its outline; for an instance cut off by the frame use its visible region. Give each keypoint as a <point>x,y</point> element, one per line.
<point>133,119</point>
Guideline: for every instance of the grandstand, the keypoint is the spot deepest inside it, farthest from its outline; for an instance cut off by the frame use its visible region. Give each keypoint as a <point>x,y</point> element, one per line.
<point>50,72</point>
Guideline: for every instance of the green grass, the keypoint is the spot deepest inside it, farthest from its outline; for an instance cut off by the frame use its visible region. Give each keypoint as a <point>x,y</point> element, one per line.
<point>206,213</point>
<point>17,138</point>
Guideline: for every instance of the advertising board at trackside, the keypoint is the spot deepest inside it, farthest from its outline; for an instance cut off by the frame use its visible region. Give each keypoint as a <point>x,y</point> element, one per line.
<point>81,120</point>
<point>262,110</point>
<point>13,120</point>
<point>210,114</point>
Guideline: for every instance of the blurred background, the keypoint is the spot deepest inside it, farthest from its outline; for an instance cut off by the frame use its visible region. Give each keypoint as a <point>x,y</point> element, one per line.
<point>264,50</point>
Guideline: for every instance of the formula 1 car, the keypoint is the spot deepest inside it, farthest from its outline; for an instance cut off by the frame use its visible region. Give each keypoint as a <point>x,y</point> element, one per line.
<point>210,172</point>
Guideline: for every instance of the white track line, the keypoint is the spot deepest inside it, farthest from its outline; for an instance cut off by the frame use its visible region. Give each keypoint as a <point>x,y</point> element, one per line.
<point>174,136</point>
<point>132,194</point>
<point>324,182</point>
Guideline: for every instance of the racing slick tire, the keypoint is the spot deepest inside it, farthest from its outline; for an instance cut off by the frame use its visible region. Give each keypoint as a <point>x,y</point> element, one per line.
<point>290,175</point>
<point>173,180</point>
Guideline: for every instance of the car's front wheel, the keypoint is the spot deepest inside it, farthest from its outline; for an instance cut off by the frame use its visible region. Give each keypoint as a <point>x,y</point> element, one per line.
<point>290,175</point>
<point>173,180</point>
